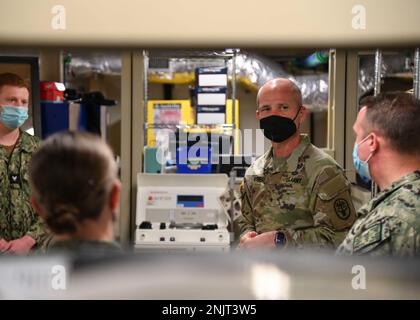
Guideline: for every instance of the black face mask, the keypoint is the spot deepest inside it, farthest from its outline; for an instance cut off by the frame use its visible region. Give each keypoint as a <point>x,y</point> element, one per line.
<point>278,128</point>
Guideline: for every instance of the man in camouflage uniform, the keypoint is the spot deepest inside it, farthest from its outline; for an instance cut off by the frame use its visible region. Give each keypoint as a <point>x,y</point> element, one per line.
<point>387,149</point>
<point>20,227</point>
<point>295,195</point>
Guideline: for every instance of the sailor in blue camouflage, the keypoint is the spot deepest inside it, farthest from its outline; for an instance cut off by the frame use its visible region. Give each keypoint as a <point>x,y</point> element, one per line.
<point>17,218</point>
<point>20,227</point>
<point>390,223</point>
<point>387,150</point>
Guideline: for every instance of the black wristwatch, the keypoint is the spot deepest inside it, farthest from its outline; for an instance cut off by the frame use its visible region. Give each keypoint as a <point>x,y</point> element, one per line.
<point>280,239</point>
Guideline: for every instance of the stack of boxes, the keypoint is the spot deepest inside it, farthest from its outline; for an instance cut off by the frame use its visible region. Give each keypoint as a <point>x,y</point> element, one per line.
<point>211,90</point>
<point>211,95</point>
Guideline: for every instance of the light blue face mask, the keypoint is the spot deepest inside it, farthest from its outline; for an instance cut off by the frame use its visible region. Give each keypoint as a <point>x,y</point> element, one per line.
<point>13,117</point>
<point>362,167</point>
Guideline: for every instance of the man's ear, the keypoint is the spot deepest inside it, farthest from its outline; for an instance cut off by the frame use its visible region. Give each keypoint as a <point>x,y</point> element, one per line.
<point>303,113</point>
<point>114,198</point>
<point>374,142</point>
<point>257,114</point>
<point>37,207</point>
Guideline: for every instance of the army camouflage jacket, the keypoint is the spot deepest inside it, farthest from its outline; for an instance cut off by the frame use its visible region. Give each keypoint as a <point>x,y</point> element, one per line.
<point>17,217</point>
<point>389,225</point>
<point>306,195</point>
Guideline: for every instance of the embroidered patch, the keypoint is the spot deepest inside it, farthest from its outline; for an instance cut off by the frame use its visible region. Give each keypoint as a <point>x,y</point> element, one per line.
<point>14,181</point>
<point>342,209</point>
<point>368,237</point>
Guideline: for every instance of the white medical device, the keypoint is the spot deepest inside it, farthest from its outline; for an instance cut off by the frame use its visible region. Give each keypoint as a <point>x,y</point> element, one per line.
<point>181,211</point>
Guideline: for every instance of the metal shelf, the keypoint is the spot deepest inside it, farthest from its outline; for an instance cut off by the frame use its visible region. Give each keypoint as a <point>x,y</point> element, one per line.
<point>201,56</point>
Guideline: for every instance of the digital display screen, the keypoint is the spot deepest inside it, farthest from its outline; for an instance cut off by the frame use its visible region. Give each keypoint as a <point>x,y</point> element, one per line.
<point>190,201</point>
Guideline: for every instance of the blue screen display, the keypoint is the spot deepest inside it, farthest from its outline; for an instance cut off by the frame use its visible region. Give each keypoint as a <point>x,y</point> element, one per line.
<point>190,201</point>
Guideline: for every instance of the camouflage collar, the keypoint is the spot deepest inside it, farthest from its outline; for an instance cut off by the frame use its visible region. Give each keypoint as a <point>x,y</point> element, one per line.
<point>411,177</point>
<point>25,142</point>
<point>276,164</point>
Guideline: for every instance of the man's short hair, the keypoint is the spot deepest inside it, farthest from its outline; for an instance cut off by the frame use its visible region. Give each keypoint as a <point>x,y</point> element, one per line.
<point>396,115</point>
<point>11,79</point>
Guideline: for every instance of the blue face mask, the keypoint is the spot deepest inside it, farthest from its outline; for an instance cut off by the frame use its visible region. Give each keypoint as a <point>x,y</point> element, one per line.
<point>13,117</point>
<point>362,167</point>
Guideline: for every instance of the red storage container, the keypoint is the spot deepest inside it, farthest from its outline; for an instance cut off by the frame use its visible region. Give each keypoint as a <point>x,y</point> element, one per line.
<point>52,91</point>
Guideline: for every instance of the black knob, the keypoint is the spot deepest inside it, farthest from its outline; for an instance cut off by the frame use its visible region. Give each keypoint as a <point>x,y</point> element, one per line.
<point>145,225</point>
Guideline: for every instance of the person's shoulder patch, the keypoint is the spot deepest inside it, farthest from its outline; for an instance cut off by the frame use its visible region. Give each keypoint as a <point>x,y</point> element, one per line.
<point>368,237</point>
<point>342,208</point>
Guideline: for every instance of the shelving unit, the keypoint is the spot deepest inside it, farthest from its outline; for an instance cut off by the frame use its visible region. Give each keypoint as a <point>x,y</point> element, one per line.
<point>179,68</point>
